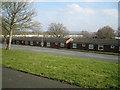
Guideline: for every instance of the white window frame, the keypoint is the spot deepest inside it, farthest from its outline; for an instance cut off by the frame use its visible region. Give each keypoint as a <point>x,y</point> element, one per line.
<point>91,46</point>
<point>42,44</point>
<point>100,46</point>
<point>37,42</point>
<point>83,45</point>
<point>62,44</point>
<point>48,44</point>
<point>74,45</point>
<point>56,43</point>
<point>26,42</point>
<point>22,41</point>
<point>17,42</point>
<point>31,42</point>
<point>112,46</point>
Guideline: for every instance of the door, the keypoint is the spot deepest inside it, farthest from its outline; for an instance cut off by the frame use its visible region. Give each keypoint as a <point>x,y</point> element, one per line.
<point>69,45</point>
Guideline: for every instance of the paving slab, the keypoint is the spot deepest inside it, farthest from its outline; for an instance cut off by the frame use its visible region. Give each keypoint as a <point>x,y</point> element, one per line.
<point>16,79</point>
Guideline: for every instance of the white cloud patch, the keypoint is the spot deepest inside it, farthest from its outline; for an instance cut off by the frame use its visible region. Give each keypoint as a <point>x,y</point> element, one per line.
<point>76,9</point>
<point>111,12</point>
<point>77,18</point>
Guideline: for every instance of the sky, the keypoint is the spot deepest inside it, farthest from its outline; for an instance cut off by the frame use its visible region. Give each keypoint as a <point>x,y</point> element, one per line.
<point>77,16</point>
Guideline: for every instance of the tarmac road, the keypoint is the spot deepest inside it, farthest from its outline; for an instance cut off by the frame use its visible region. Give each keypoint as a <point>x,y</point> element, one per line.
<point>16,79</point>
<point>112,58</point>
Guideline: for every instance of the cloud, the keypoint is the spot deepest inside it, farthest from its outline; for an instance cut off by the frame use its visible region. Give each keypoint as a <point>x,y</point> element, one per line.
<point>76,9</point>
<point>77,18</point>
<point>111,12</point>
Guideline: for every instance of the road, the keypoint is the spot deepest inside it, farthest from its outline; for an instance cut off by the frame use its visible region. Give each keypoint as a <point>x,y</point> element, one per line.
<point>96,56</point>
<point>16,79</point>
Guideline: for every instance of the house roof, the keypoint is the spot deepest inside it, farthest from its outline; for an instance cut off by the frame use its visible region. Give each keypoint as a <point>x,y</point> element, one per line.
<point>80,41</point>
<point>98,41</point>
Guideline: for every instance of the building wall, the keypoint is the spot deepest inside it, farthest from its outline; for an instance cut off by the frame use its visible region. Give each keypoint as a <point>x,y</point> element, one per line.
<point>107,48</point>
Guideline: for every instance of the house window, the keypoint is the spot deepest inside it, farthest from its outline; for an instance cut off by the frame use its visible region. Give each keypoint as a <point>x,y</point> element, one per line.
<point>37,42</point>
<point>22,41</point>
<point>83,45</point>
<point>26,42</point>
<point>48,44</point>
<point>13,42</point>
<point>74,45</point>
<point>91,46</point>
<point>112,46</point>
<point>100,47</point>
<point>56,43</point>
<point>42,44</point>
<point>31,42</point>
<point>62,44</point>
<point>17,42</point>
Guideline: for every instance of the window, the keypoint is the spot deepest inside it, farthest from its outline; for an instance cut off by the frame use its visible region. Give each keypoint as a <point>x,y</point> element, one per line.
<point>56,43</point>
<point>83,45</point>
<point>91,46</point>
<point>62,44</point>
<point>26,42</point>
<point>74,45</point>
<point>112,46</point>
<point>100,47</point>
<point>17,42</point>
<point>42,44</point>
<point>31,42</point>
<point>37,42</point>
<point>48,44</point>
<point>22,41</point>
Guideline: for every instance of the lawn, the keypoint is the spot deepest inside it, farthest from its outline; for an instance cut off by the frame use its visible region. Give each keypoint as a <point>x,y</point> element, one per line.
<point>110,53</point>
<point>81,72</point>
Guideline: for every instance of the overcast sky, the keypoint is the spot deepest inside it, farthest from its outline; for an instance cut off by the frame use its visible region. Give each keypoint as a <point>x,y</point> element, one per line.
<point>78,16</point>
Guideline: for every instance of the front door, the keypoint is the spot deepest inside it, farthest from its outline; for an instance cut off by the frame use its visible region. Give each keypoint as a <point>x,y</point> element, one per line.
<point>69,45</point>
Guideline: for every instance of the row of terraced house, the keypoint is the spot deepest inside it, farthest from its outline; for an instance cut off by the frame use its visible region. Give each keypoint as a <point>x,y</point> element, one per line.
<point>104,45</point>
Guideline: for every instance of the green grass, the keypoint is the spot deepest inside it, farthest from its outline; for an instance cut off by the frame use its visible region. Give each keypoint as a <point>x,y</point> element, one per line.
<point>81,72</point>
<point>111,53</point>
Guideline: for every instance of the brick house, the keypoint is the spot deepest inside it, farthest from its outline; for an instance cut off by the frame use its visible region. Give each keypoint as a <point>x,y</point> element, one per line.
<point>104,45</point>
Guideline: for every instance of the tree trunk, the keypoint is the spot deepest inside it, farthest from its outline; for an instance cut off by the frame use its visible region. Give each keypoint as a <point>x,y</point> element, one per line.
<point>10,40</point>
<point>5,40</point>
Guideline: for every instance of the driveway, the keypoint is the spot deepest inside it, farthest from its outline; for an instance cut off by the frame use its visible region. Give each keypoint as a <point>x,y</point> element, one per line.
<point>16,79</point>
<point>96,56</point>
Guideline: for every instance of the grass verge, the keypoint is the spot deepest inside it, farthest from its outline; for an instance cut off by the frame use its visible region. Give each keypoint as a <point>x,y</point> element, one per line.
<point>110,53</point>
<point>81,72</point>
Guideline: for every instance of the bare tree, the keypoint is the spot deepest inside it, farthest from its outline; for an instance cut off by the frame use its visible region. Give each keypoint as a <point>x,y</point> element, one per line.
<point>85,34</point>
<point>105,33</point>
<point>37,28</point>
<point>57,30</point>
<point>16,16</point>
<point>94,35</point>
<point>45,34</point>
<point>118,32</point>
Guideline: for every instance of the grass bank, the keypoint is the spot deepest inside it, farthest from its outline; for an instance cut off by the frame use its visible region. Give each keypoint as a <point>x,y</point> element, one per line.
<point>81,72</point>
<point>109,53</point>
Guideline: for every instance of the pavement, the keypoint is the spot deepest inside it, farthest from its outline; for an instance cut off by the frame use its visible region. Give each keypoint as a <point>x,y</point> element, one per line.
<point>16,79</point>
<point>96,56</point>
